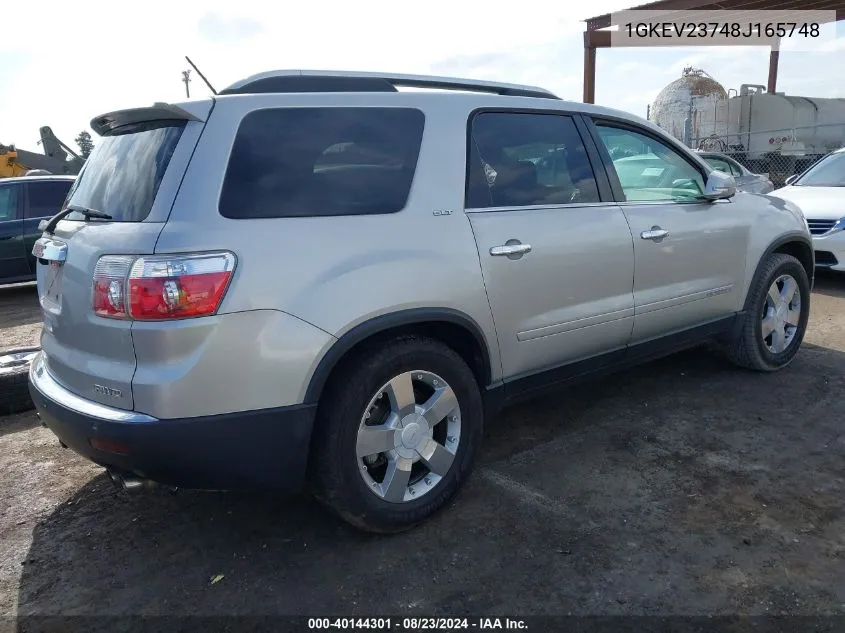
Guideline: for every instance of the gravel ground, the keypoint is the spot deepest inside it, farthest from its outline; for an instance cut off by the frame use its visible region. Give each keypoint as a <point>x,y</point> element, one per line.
<point>20,316</point>
<point>681,487</point>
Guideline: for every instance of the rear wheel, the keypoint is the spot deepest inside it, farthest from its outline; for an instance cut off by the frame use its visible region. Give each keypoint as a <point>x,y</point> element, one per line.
<point>775,318</point>
<point>396,434</point>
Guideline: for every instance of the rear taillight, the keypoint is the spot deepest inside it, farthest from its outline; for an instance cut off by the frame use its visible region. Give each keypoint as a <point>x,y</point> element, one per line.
<point>110,275</point>
<point>159,287</point>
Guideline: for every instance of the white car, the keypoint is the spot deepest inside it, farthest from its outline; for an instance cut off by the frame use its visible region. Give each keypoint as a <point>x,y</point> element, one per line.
<point>820,193</point>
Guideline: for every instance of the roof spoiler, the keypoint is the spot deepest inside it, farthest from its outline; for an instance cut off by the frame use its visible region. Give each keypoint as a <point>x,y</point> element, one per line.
<point>106,123</point>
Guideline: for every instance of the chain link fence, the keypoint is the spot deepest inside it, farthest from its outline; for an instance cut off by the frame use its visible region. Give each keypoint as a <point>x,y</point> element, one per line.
<point>778,153</point>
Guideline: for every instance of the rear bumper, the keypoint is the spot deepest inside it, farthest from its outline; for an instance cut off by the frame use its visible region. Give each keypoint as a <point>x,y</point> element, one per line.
<point>252,449</point>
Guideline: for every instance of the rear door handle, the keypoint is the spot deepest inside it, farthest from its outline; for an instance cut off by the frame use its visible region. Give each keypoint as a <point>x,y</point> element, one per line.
<point>655,234</point>
<point>508,250</point>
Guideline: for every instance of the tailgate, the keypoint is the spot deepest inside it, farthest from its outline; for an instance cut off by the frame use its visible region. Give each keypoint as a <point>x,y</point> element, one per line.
<point>132,176</point>
<point>88,354</point>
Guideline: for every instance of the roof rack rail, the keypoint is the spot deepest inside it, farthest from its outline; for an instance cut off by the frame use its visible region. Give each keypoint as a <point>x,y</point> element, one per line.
<point>345,81</point>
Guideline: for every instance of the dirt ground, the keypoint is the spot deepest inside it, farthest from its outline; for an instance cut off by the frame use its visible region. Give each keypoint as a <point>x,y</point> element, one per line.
<point>681,487</point>
<point>20,319</point>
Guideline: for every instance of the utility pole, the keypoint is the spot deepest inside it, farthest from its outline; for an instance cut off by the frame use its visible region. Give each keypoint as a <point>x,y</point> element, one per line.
<point>186,79</point>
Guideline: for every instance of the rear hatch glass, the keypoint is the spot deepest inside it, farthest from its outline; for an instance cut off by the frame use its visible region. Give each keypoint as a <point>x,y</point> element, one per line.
<point>123,174</point>
<point>91,355</point>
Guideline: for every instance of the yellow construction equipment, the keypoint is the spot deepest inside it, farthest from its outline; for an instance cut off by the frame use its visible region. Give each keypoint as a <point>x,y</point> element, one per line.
<point>57,158</point>
<point>9,164</point>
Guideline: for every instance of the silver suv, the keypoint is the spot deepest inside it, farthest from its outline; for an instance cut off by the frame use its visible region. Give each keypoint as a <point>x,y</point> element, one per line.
<point>317,277</point>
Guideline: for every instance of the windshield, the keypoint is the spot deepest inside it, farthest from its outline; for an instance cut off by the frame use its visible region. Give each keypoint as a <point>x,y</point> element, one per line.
<point>828,172</point>
<point>123,173</point>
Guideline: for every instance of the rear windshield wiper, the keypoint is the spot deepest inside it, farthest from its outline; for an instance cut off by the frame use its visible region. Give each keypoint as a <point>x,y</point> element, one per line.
<point>89,214</point>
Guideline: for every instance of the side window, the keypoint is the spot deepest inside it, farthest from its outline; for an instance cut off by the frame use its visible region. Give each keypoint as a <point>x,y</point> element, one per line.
<point>736,170</point>
<point>8,202</point>
<point>648,169</point>
<point>47,197</point>
<point>521,159</point>
<point>722,165</point>
<point>298,162</point>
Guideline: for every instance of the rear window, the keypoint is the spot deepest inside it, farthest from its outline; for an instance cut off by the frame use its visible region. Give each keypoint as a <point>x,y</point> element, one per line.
<point>299,162</point>
<point>123,173</point>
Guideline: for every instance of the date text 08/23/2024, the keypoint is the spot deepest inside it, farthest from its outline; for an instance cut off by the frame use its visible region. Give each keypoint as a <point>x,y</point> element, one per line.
<point>415,624</point>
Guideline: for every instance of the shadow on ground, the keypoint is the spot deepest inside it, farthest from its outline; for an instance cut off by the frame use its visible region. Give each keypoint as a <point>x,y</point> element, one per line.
<point>683,486</point>
<point>829,283</point>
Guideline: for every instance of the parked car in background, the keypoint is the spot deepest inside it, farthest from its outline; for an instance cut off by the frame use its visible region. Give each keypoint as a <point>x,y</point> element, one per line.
<point>383,270</point>
<point>820,193</point>
<point>24,202</point>
<point>745,180</point>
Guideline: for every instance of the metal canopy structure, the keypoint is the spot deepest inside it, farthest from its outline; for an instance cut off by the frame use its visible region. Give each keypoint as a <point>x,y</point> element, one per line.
<point>595,37</point>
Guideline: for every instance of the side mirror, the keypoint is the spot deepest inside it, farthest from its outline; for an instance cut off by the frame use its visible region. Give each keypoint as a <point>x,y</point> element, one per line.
<point>719,186</point>
<point>791,179</point>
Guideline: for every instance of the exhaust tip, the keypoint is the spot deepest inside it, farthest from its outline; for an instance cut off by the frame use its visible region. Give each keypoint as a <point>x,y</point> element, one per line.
<point>129,483</point>
<point>133,484</point>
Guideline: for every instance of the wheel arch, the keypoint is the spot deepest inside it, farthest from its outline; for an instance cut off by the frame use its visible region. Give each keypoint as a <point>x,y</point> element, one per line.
<point>452,327</point>
<point>793,243</point>
<point>797,245</point>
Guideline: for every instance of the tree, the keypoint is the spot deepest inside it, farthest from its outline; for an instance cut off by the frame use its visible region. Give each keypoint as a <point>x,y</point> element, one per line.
<point>86,145</point>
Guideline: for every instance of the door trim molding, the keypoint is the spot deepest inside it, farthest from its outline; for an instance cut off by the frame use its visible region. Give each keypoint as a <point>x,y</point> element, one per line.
<point>576,324</point>
<point>664,304</point>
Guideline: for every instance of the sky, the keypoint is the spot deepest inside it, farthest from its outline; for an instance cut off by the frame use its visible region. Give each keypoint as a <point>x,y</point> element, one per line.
<point>64,63</point>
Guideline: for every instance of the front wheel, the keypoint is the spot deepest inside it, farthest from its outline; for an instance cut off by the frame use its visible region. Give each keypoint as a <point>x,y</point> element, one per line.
<point>775,317</point>
<point>396,434</point>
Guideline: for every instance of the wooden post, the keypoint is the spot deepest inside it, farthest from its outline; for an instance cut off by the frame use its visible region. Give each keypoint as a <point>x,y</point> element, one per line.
<point>589,72</point>
<point>773,71</point>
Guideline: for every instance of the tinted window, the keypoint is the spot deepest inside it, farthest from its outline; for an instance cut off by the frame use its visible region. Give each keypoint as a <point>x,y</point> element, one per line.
<point>527,159</point>
<point>828,172</point>
<point>123,173</point>
<point>46,197</point>
<point>649,169</point>
<point>722,165</point>
<point>295,162</point>
<point>736,169</point>
<point>8,202</point>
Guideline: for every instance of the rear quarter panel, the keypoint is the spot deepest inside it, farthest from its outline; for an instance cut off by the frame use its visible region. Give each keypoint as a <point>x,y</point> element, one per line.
<point>338,272</point>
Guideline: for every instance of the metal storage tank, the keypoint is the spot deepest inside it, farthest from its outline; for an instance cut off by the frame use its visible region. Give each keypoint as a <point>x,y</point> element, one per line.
<point>787,124</point>
<point>695,92</point>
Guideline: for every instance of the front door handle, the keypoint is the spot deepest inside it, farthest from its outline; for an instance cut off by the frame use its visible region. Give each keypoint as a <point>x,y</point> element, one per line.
<point>655,234</point>
<point>510,249</point>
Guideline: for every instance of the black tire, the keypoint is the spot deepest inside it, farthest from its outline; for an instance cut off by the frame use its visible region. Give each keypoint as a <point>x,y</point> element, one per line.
<point>334,466</point>
<point>14,385</point>
<point>747,349</point>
